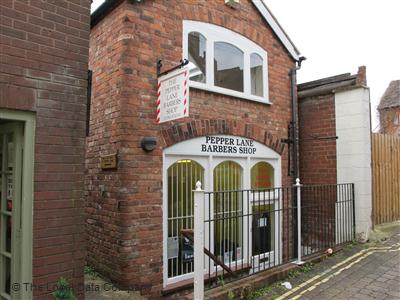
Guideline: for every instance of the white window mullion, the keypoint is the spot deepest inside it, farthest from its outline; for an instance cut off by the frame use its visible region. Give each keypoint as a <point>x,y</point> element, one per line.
<point>265,77</point>
<point>185,51</point>
<point>246,74</point>
<point>210,62</point>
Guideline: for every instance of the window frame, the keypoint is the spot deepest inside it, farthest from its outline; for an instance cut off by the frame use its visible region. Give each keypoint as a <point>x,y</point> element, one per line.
<point>214,33</point>
<point>191,149</point>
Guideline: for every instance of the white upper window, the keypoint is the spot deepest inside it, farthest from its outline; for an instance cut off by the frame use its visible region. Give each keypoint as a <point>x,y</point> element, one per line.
<point>225,62</point>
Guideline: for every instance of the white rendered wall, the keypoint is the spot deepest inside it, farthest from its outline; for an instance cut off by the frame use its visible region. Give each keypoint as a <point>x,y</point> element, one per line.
<point>354,152</point>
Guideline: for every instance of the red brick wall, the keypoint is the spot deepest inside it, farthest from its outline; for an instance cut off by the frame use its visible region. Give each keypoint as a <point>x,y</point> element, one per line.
<point>318,166</point>
<point>389,120</point>
<point>44,55</point>
<point>125,222</point>
<point>317,155</point>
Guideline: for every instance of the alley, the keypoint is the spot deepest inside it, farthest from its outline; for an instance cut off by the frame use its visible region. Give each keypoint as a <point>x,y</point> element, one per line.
<point>372,273</point>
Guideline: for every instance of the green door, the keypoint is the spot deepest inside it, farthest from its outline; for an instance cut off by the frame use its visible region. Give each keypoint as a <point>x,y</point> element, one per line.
<point>11,153</point>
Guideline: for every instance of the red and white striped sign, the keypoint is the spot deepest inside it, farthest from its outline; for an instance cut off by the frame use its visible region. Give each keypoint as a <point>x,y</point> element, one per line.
<point>173,96</point>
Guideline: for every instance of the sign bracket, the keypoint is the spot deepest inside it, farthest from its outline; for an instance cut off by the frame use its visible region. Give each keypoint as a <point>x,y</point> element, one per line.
<point>183,63</point>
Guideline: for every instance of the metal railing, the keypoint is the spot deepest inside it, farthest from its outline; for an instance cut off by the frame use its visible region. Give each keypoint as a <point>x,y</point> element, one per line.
<point>249,231</point>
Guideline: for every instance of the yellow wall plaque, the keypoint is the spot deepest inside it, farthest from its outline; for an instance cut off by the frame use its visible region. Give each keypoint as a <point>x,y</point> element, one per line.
<point>108,161</point>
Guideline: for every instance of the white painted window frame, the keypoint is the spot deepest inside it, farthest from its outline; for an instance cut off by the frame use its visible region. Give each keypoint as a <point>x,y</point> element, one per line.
<point>184,150</point>
<point>275,255</point>
<point>214,33</point>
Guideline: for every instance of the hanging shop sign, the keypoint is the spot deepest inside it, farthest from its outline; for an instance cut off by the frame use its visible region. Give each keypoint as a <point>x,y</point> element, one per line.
<point>173,95</point>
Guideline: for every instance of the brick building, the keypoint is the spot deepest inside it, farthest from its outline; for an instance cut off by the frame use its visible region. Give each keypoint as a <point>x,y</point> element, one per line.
<point>43,84</point>
<point>389,109</point>
<point>335,143</point>
<point>240,93</point>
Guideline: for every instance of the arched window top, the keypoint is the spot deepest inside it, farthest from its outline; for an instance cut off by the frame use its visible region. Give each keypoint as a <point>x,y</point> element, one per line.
<point>227,176</point>
<point>225,62</point>
<point>262,176</point>
<point>255,60</point>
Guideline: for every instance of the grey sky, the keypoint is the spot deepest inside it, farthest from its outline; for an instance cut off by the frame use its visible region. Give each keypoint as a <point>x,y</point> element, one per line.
<point>337,36</point>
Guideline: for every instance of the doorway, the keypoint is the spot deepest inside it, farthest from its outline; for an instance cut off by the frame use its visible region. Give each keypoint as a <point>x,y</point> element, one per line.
<point>16,201</point>
<point>10,203</point>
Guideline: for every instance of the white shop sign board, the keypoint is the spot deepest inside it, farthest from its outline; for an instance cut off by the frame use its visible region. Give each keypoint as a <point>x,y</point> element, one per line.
<point>173,96</point>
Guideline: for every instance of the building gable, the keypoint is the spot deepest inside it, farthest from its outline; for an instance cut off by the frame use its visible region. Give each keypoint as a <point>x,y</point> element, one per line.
<point>109,5</point>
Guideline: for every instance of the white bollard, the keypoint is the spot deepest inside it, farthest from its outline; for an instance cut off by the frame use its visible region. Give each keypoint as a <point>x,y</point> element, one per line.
<point>298,187</point>
<point>198,242</point>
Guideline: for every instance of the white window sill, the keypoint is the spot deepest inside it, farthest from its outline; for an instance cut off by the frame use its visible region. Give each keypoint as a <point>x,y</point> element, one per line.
<point>228,92</point>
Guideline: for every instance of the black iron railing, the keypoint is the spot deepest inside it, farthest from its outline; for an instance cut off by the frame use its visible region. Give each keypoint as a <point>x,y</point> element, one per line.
<point>249,231</point>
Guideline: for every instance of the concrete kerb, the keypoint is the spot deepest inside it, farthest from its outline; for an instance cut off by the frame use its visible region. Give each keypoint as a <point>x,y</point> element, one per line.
<point>242,288</point>
<point>384,231</point>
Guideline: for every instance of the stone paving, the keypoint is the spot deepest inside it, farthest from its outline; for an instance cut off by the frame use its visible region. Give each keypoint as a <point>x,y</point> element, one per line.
<point>376,276</point>
<point>98,289</point>
<point>361,272</point>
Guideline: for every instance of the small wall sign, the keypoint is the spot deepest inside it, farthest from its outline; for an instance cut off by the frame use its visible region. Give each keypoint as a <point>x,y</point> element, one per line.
<point>108,161</point>
<point>173,96</point>
<point>172,247</point>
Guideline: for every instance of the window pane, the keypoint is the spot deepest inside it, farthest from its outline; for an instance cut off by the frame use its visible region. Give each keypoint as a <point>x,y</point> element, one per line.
<point>5,263</point>
<point>182,178</point>
<point>263,229</point>
<point>228,224</point>
<point>262,176</point>
<point>8,233</point>
<point>228,66</point>
<point>197,57</point>
<point>256,71</point>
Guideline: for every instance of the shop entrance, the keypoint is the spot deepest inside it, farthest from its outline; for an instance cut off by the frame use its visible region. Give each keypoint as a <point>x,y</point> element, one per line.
<point>229,238</point>
<point>16,195</point>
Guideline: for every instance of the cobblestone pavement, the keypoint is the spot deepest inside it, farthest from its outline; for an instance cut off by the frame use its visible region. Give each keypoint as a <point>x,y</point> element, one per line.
<point>361,272</point>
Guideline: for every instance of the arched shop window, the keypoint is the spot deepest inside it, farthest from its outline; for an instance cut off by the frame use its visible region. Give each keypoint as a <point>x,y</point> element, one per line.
<point>223,61</point>
<point>248,176</point>
<point>263,210</point>
<point>262,176</point>
<point>182,178</point>
<point>227,206</point>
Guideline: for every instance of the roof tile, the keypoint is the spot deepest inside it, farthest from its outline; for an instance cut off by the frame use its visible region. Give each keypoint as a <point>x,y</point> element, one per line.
<point>391,97</point>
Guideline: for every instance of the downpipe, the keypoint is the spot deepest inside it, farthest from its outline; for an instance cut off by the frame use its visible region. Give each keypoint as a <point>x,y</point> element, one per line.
<point>295,161</point>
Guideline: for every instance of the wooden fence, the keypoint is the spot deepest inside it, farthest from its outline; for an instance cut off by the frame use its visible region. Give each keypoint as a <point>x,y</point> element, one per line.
<point>385,178</point>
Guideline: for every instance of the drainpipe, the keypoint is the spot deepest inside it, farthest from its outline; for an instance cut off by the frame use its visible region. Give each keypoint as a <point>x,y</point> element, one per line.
<point>295,143</point>
<point>294,137</point>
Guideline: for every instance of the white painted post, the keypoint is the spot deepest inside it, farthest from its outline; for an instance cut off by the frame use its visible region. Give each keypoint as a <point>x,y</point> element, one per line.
<point>198,242</point>
<point>298,187</point>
